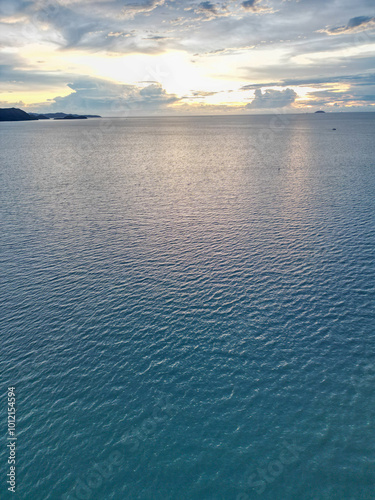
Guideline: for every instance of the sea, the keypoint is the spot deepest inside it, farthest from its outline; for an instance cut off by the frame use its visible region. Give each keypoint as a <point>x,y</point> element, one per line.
<point>188,307</point>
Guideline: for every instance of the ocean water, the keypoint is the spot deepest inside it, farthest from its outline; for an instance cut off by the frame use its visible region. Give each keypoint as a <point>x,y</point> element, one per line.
<point>188,307</point>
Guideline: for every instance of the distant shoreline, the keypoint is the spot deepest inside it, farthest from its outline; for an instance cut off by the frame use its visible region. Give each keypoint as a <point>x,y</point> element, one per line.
<point>17,115</point>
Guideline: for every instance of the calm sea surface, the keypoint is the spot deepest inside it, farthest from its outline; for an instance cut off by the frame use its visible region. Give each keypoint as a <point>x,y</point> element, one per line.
<point>188,307</point>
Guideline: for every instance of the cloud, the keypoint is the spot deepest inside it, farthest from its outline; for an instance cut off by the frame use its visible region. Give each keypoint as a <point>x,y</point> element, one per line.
<point>210,10</point>
<point>72,24</point>
<point>251,5</point>
<point>10,104</point>
<point>342,90</point>
<point>155,95</point>
<point>202,93</point>
<point>92,95</point>
<point>256,6</point>
<point>359,79</point>
<point>15,72</point>
<point>13,7</point>
<point>207,6</point>
<point>143,7</point>
<point>157,37</point>
<point>272,99</point>
<point>342,98</point>
<point>354,25</point>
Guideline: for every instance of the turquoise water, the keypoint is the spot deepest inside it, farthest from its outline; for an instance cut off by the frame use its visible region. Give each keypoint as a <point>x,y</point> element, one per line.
<point>188,307</point>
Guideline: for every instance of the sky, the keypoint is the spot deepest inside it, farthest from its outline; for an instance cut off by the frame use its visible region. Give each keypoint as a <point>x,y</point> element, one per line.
<point>167,57</point>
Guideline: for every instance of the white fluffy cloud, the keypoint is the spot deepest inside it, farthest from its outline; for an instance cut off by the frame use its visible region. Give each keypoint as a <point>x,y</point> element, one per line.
<point>92,96</point>
<point>270,99</point>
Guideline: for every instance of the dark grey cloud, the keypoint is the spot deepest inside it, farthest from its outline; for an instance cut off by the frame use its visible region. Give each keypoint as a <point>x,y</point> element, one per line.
<point>361,79</point>
<point>329,98</point>
<point>207,6</point>
<point>89,25</point>
<point>73,32</point>
<point>208,10</point>
<point>15,72</point>
<point>251,4</point>
<point>359,21</point>
<point>12,7</point>
<point>156,37</point>
<point>270,99</point>
<point>329,69</point>
<point>347,96</point>
<point>355,24</point>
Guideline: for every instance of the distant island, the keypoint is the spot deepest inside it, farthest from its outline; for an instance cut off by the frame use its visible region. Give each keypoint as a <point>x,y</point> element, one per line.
<point>71,117</point>
<point>14,115</point>
<point>38,116</point>
<point>319,111</point>
<point>17,115</point>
